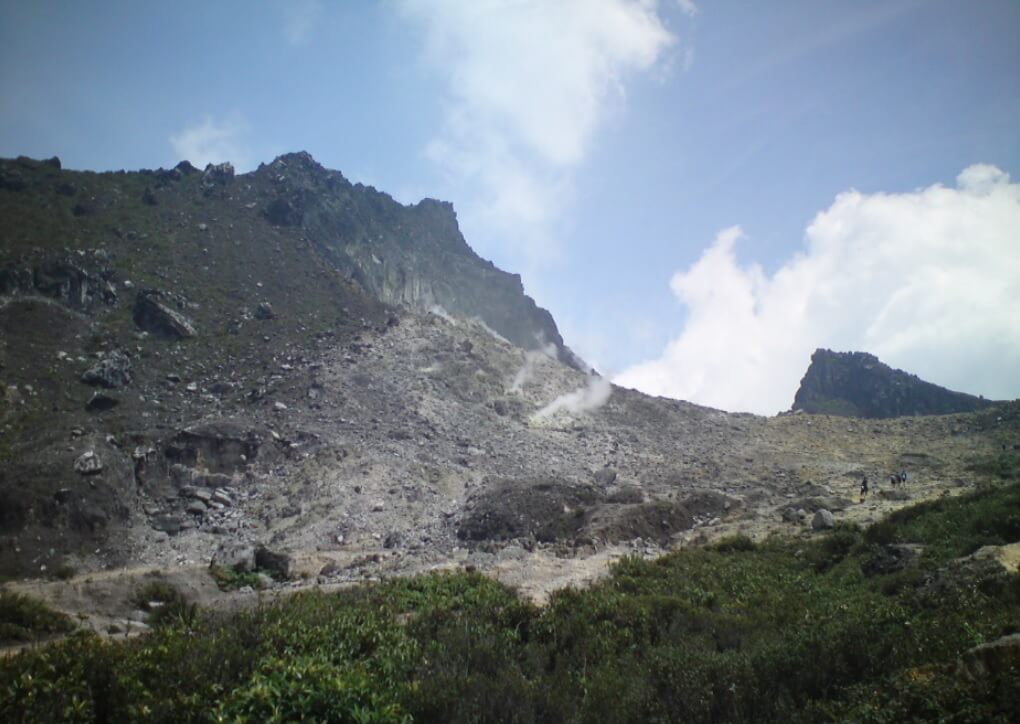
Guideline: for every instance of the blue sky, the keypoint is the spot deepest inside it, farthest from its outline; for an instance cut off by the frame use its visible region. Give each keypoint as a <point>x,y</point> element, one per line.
<point>701,192</point>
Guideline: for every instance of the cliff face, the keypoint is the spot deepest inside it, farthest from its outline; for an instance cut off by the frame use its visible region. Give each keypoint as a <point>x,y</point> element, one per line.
<point>857,384</point>
<point>412,255</point>
<point>136,305</point>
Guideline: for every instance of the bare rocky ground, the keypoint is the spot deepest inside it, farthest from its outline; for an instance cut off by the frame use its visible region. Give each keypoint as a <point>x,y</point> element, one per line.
<point>430,444</point>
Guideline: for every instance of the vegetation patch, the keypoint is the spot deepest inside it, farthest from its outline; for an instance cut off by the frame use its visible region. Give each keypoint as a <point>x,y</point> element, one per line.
<point>230,579</point>
<point>23,618</point>
<point>740,631</point>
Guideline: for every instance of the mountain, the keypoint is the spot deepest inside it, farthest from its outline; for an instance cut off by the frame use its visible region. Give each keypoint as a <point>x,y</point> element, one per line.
<point>198,365</point>
<point>858,384</point>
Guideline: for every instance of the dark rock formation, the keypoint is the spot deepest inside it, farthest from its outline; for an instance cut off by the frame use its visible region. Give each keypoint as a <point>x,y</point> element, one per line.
<point>857,384</point>
<point>412,255</point>
<point>154,316</point>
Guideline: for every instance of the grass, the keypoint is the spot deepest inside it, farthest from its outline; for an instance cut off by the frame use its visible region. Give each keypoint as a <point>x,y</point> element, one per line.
<point>954,527</point>
<point>740,631</point>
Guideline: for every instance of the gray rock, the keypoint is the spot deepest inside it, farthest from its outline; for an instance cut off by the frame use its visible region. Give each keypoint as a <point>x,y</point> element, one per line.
<point>88,463</point>
<point>166,523</point>
<point>823,520</point>
<point>235,555</point>
<point>992,659</point>
<point>195,492</point>
<point>218,174</point>
<point>212,480</point>
<point>264,311</point>
<point>196,507</point>
<point>277,563</point>
<point>114,370</point>
<point>605,476</point>
<point>101,402</point>
<point>152,315</point>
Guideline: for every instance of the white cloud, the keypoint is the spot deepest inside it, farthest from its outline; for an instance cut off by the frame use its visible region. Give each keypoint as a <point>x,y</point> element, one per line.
<point>300,19</point>
<point>928,280</point>
<point>689,7</point>
<point>211,141</point>
<point>528,85</point>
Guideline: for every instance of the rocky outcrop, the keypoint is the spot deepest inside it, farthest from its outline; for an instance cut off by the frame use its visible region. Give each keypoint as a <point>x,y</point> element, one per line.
<point>857,384</point>
<point>58,279</point>
<point>152,315</point>
<point>997,658</point>
<point>413,255</point>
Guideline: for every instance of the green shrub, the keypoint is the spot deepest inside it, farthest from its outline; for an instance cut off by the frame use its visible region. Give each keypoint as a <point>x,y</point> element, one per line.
<point>23,618</point>
<point>165,604</point>
<point>229,579</point>
<point>777,631</point>
<point>734,544</point>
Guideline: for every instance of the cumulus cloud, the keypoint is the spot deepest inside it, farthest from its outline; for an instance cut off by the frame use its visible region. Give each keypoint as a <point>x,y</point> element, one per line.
<point>212,141</point>
<point>928,280</point>
<point>528,85</point>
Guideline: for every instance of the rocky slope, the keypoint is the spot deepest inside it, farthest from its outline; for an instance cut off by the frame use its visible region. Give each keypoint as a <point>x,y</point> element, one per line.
<point>858,384</point>
<point>196,366</point>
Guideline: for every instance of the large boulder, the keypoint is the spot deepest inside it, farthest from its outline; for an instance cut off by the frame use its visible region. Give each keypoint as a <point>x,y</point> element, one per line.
<point>279,565</point>
<point>992,660</point>
<point>88,463</point>
<point>152,315</point>
<point>114,370</point>
<point>235,555</point>
<point>823,520</point>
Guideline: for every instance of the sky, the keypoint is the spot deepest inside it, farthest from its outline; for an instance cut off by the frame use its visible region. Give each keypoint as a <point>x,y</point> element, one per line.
<point>702,192</point>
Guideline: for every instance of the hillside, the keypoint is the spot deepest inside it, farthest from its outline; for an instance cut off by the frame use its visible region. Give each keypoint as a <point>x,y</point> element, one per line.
<point>858,384</point>
<point>198,366</point>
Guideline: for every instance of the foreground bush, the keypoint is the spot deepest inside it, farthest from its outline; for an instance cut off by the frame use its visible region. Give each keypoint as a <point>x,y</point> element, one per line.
<point>23,619</point>
<point>775,631</point>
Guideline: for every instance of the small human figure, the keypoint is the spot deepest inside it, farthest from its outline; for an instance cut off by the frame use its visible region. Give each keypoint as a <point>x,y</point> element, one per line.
<point>894,480</point>
<point>864,489</point>
<point>903,477</point>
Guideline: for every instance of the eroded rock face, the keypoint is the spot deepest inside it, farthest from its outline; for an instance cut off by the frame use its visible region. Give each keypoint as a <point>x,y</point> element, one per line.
<point>58,279</point>
<point>218,174</point>
<point>857,384</point>
<point>221,447</point>
<point>412,255</point>
<point>154,316</point>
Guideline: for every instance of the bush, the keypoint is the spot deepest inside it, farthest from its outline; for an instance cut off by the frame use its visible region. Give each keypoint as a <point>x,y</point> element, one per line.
<point>165,604</point>
<point>23,618</point>
<point>734,544</point>
<point>777,631</point>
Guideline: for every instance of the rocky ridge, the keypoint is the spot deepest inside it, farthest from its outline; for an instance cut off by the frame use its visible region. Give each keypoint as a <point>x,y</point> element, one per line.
<point>858,384</point>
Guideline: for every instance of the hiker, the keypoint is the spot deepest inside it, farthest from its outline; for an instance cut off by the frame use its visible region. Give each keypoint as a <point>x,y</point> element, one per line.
<point>903,477</point>
<point>894,480</point>
<point>864,489</point>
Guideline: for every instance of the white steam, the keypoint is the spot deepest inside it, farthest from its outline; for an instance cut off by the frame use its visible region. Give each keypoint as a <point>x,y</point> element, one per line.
<point>440,312</point>
<point>531,358</point>
<point>590,397</point>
